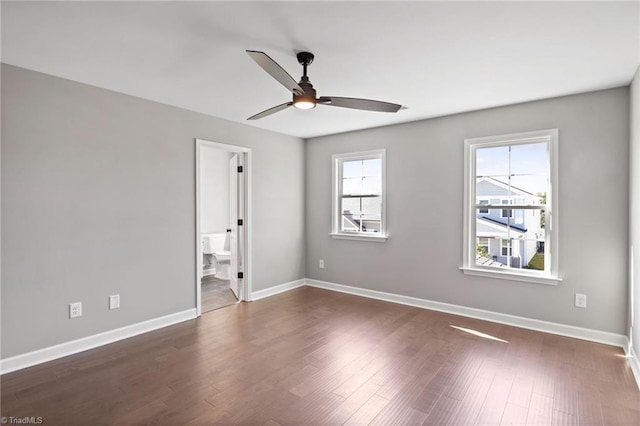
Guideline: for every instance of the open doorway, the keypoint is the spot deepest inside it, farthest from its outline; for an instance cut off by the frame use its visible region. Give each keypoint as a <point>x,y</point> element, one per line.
<point>222,224</point>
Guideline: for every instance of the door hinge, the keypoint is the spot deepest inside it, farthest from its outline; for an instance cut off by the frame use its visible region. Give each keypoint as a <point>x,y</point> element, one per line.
<point>240,275</point>
<point>239,222</point>
<point>239,169</point>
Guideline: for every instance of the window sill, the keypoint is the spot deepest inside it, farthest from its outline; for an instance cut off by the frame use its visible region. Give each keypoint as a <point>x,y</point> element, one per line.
<point>513,276</point>
<point>359,237</point>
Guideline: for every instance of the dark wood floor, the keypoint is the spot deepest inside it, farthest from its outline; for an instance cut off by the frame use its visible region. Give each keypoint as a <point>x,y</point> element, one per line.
<point>216,294</point>
<point>312,356</point>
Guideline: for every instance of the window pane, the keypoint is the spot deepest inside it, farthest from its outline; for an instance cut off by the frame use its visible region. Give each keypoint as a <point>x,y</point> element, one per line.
<point>488,251</point>
<point>506,212</point>
<point>371,185</point>
<point>372,167</point>
<point>528,188</point>
<point>371,208</point>
<point>352,169</point>
<point>533,256</point>
<point>529,158</point>
<point>351,205</point>
<point>361,214</point>
<point>488,187</point>
<point>348,225</point>
<point>351,215</point>
<point>502,243</point>
<point>352,186</point>
<point>483,211</point>
<point>493,161</point>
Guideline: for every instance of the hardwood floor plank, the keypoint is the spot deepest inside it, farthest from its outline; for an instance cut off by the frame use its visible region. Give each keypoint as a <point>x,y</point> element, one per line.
<point>514,415</point>
<point>540,410</point>
<point>367,412</point>
<point>495,402</point>
<point>350,405</point>
<point>311,356</point>
<point>443,410</point>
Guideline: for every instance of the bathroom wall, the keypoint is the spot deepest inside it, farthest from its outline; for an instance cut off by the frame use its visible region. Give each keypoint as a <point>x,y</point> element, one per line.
<point>214,190</point>
<point>424,169</point>
<point>98,198</point>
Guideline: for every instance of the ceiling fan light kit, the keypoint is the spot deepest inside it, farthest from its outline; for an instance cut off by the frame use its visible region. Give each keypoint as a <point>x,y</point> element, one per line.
<point>304,95</point>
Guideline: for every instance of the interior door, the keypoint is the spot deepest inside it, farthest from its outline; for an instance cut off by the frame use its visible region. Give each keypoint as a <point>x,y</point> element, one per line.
<point>234,237</point>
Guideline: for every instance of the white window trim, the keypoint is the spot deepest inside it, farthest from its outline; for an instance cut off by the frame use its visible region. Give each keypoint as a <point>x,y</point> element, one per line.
<point>336,176</point>
<point>551,275</point>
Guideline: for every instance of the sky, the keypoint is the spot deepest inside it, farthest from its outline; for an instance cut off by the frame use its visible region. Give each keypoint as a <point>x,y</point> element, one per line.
<point>528,166</point>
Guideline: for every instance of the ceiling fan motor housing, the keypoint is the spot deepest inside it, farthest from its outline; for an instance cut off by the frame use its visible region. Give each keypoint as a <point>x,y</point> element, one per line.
<point>309,92</point>
<point>305,58</point>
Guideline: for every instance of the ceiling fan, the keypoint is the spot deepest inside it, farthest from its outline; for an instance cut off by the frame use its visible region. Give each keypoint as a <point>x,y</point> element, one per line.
<point>304,95</point>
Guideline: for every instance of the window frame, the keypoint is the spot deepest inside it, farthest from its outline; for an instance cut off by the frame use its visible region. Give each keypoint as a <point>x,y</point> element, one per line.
<point>550,275</point>
<point>336,177</point>
<point>484,211</point>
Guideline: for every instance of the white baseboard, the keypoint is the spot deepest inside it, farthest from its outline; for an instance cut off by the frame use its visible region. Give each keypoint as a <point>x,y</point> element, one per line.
<point>261,294</point>
<point>39,356</point>
<point>58,351</point>
<point>634,362</point>
<point>522,322</point>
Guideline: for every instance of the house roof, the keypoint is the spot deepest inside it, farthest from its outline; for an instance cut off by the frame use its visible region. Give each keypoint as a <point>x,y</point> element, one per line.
<point>506,186</point>
<point>501,224</point>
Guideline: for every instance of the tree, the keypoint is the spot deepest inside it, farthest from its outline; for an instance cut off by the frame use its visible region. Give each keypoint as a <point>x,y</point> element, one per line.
<point>543,200</point>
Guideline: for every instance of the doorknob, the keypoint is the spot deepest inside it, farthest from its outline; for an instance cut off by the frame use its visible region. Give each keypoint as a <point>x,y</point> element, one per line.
<point>229,230</point>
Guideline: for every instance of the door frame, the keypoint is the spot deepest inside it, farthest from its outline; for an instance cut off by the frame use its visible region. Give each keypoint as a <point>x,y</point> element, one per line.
<point>244,212</point>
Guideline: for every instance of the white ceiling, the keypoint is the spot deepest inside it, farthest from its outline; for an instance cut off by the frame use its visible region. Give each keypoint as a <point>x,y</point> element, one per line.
<point>434,58</point>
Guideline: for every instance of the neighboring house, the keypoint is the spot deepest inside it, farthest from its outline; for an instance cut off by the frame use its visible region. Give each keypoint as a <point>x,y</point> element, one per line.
<point>507,237</point>
<point>350,223</point>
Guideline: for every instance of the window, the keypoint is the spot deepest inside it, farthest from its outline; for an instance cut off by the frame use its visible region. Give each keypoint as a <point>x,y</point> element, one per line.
<point>359,195</point>
<point>505,246</point>
<point>517,174</point>
<point>483,203</point>
<point>506,212</point>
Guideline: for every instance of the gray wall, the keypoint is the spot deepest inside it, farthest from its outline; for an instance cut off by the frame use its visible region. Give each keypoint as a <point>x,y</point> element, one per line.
<point>634,213</point>
<point>214,190</point>
<point>98,198</point>
<point>424,210</point>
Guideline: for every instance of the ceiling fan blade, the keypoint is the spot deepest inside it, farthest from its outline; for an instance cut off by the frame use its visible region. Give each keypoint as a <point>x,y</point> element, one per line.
<point>355,103</point>
<point>270,111</point>
<point>276,71</point>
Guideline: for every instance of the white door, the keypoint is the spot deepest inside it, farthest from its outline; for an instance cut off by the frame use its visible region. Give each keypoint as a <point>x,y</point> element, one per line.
<point>235,236</point>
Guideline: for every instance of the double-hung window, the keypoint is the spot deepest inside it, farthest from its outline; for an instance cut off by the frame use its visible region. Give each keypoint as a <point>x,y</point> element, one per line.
<point>359,196</point>
<point>515,234</point>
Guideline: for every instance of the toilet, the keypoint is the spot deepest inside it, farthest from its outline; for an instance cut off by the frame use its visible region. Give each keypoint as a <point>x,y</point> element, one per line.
<point>214,245</point>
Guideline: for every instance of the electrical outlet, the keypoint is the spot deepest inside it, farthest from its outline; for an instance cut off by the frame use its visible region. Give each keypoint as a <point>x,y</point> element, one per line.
<point>581,300</point>
<point>321,264</point>
<point>114,301</point>
<point>75,310</point>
